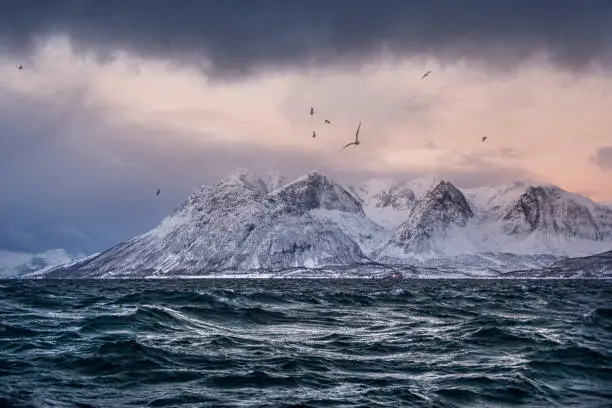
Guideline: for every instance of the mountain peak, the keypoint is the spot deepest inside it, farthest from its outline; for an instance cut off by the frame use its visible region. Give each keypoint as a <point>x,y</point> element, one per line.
<point>243,178</point>
<point>551,210</point>
<point>445,195</point>
<point>441,208</point>
<point>315,190</point>
<point>314,175</point>
<point>274,180</point>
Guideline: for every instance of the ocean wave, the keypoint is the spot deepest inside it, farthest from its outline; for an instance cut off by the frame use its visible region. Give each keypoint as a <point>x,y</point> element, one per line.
<point>305,343</point>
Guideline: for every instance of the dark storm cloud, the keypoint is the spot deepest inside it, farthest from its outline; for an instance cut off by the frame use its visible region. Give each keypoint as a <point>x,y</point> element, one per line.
<point>603,158</point>
<point>244,36</point>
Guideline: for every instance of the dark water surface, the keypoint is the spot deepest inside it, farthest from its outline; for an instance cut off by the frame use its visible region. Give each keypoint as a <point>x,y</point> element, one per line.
<point>305,343</point>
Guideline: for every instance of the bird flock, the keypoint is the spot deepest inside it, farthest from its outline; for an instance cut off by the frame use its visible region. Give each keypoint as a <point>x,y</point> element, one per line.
<point>325,121</point>
<point>356,142</point>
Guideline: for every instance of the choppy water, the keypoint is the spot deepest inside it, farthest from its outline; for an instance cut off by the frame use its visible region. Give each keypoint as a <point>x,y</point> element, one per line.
<point>305,343</point>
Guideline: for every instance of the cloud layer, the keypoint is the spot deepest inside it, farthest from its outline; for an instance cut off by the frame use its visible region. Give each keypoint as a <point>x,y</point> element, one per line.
<point>235,37</point>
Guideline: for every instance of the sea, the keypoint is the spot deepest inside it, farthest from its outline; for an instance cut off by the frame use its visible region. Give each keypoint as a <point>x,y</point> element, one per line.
<point>305,343</point>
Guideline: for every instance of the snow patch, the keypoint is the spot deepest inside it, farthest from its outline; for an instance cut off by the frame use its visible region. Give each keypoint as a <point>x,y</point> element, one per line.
<point>366,233</point>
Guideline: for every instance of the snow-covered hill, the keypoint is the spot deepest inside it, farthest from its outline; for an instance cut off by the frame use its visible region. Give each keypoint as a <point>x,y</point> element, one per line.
<point>247,223</point>
<point>20,264</point>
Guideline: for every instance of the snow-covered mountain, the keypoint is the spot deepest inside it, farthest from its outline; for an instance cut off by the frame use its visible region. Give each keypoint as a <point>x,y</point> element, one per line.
<point>246,223</point>
<point>429,223</point>
<point>522,217</point>
<point>388,202</point>
<point>238,224</point>
<point>19,264</point>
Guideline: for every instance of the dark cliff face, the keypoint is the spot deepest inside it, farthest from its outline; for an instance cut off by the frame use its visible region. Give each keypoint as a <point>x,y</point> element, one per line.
<point>544,209</point>
<point>446,199</point>
<point>530,206</point>
<point>442,207</point>
<point>317,191</point>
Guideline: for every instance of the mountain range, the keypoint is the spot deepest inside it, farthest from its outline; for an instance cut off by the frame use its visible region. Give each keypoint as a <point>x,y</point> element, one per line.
<point>245,225</point>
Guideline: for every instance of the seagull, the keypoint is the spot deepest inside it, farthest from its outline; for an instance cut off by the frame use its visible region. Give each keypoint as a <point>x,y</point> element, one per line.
<point>426,74</point>
<point>20,67</point>
<point>327,121</point>
<point>356,142</point>
<point>158,191</point>
<point>314,134</point>
<point>311,111</point>
<point>484,138</point>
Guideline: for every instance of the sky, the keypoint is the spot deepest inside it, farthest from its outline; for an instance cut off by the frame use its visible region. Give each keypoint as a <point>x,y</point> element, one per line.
<point>119,98</point>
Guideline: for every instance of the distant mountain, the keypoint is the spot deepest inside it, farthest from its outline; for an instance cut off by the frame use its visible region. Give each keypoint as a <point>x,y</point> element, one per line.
<point>20,264</point>
<point>388,202</point>
<point>429,221</point>
<point>521,217</point>
<point>594,266</point>
<point>266,224</point>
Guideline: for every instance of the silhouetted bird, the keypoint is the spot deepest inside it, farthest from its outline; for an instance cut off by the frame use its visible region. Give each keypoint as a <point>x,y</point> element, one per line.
<point>314,134</point>
<point>158,191</point>
<point>20,67</point>
<point>356,142</point>
<point>426,74</point>
<point>327,121</point>
<point>311,111</point>
<point>484,138</point>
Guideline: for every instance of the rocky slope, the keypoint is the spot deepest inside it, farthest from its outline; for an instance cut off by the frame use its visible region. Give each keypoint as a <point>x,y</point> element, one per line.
<point>429,222</point>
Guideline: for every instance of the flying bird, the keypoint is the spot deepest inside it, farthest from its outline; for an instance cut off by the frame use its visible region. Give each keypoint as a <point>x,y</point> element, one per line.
<point>327,121</point>
<point>158,191</point>
<point>20,67</point>
<point>314,134</point>
<point>356,142</point>
<point>311,111</point>
<point>484,138</point>
<point>426,74</point>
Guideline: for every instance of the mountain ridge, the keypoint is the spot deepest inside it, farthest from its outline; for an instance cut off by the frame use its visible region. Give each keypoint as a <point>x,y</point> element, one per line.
<point>249,223</point>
